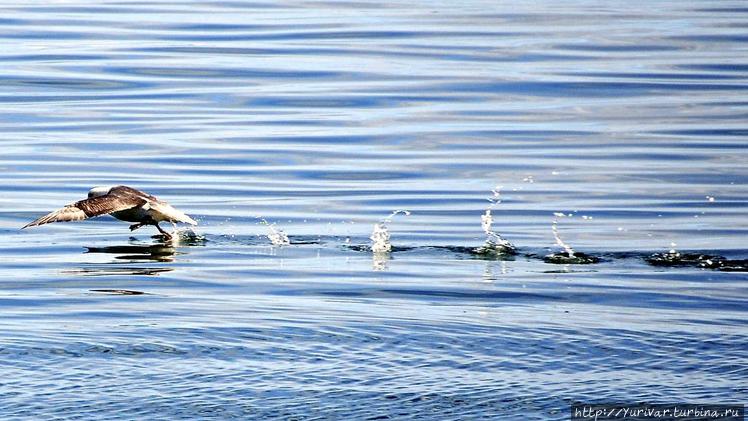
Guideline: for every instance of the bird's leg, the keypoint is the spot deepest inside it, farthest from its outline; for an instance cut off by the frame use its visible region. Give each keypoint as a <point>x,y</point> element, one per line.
<point>133,227</point>
<point>161,230</point>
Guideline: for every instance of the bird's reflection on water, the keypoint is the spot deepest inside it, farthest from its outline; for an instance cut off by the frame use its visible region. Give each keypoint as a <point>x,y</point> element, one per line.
<point>109,270</point>
<point>379,260</point>
<point>163,250</point>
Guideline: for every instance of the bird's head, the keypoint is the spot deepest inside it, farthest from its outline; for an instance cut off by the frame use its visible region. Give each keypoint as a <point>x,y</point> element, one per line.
<point>99,191</point>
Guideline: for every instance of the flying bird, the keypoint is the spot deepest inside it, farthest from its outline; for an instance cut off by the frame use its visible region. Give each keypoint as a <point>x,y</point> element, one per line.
<point>122,202</point>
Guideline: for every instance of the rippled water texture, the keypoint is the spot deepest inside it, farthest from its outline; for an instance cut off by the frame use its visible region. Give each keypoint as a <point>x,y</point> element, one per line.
<point>325,117</point>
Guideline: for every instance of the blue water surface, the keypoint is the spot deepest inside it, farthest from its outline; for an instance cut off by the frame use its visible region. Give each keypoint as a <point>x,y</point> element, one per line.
<point>324,117</point>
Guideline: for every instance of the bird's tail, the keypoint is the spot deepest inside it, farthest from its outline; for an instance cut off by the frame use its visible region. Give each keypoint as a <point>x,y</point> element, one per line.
<point>179,216</point>
<point>189,220</point>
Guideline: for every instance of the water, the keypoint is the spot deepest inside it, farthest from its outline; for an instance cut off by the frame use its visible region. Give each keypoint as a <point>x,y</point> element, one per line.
<point>324,117</point>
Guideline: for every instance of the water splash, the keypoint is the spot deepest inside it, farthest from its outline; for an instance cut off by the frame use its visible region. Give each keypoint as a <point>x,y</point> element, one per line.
<point>554,228</point>
<point>495,243</point>
<point>674,258</point>
<point>380,236</point>
<point>276,236</point>
<point>185,236</point>
<point>568,256</point>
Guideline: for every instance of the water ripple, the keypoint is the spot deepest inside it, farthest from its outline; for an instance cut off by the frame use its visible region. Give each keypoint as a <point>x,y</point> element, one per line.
<point>321,118</point>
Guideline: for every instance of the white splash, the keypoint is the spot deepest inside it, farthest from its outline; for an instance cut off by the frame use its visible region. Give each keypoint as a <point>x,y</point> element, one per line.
<point>493,239</point>
<point>380,236</point>
<point>276,236</point>
<point>178,234</point>
<point>557,236</point>
<point>392,215</point>
<point>673,251</point>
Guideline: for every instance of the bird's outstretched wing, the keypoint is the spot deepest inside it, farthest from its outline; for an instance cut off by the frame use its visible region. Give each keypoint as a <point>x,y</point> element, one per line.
<point>88,208</point>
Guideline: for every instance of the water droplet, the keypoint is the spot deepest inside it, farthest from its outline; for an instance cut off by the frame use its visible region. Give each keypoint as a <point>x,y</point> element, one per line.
<point>554,229</point>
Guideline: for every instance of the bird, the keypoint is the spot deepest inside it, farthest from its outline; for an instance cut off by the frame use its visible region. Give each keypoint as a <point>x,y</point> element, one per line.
<point>122,202</point>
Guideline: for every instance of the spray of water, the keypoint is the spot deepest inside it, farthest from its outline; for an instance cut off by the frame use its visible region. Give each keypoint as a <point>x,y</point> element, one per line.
<point>275,235</point>
<point>185,236</point>
<point>494,241</point>
<point>554,228</point>
<point>380,236</point>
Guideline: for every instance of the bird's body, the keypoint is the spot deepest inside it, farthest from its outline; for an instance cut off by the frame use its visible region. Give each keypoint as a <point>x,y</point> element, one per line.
<point>122,202</point>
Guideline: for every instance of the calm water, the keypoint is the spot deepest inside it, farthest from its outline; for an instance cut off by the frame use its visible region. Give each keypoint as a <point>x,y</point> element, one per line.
<point>323,118</point>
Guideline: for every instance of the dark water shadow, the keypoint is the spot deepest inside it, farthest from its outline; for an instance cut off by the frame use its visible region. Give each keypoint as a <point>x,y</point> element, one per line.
<point>109,270</point>
<point>118,292</point>
<point>700,260</point>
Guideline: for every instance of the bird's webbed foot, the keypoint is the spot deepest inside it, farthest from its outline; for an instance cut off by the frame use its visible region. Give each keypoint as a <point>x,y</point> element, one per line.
<point>166,234</point>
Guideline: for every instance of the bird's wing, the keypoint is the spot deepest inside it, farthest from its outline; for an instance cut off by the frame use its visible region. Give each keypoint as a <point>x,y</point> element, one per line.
<point>88,208</point>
